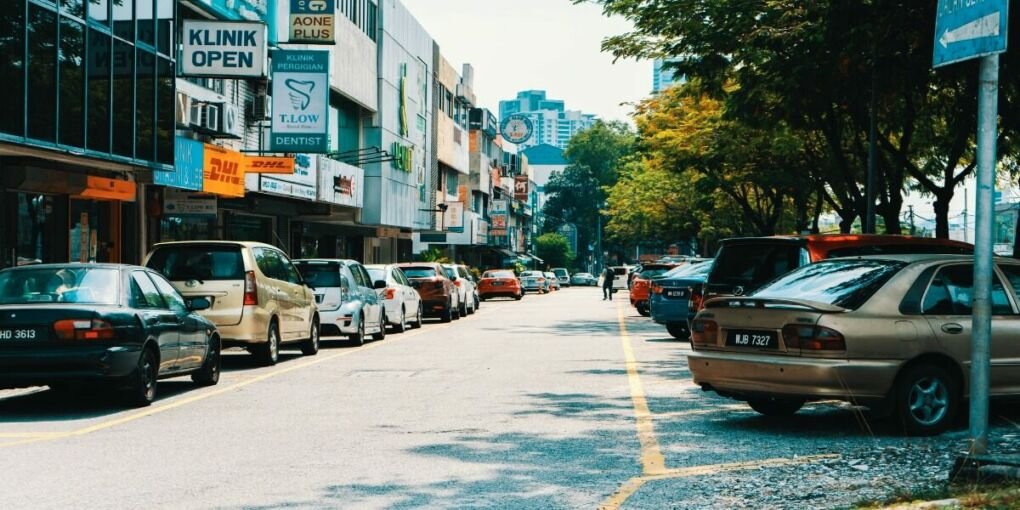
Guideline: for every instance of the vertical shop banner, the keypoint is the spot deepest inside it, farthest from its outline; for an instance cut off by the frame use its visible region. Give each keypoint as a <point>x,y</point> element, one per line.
<point>311,21</point>
<point>300,101</point>
<point>223,171</point>
<point>301,184</point>
<point>188,164</point>
<point>521,191</point>
<point>340,183</point>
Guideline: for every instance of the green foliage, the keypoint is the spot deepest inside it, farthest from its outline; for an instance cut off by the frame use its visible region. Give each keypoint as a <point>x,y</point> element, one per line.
<point>554,249</point>
<point>433,255</point>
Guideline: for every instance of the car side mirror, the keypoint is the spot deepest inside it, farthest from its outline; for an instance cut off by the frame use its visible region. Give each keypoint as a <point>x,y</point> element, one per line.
<point>198,303</point>
<point>379,285</point>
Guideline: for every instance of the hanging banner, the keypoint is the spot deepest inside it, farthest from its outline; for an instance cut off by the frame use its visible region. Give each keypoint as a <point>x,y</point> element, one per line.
<point>521,188</point>
<point>269,164</point>
<point>225,49</point>
<point>301,184</point>
<point>223,171</point>
<point>311,21</point>
<point>340,183</point>
<point>453,217</point>
<point>300,101</point>
<point>188,161</point>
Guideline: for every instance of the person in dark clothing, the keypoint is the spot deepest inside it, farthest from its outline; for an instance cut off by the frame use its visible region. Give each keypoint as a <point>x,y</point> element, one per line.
<point>607,283</point>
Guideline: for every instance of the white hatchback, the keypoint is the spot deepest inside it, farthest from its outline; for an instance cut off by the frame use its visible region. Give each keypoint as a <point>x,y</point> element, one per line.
<point>401,301</point>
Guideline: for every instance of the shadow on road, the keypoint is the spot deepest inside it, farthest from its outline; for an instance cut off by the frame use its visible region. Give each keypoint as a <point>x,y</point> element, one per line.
<point>86,403</point>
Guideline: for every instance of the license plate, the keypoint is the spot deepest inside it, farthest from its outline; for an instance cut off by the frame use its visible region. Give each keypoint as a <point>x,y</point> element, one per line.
<point>9,334</point>
<point>497,284</point>
<point>676,293</point>
<point>753,339</point>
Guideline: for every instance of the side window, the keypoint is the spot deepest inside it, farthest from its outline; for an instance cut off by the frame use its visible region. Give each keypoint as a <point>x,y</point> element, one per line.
<point>398,275</point>
<point>359,280</point>
<point>144,293</point>
<point>169,294</point>
<point>366,277</point>
<point>269,263</point>
<point>463,272</point>
<point>291,272</point>
<point>952,292</point>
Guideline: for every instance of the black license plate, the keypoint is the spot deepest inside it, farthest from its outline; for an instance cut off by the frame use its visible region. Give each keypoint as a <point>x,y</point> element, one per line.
<point>21,334</point>
<point>679,293</point>
<point>497,284</point>
<point>752,339</point>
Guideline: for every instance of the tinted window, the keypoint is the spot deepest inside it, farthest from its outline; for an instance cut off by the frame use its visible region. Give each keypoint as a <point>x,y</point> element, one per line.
<point>894,249</point>
<point>451,273</point>
<point>699,269</point>
<point>173,298</point>
<point>12,67</point>
<point>290,274</point>
<point>360,278</point>
<point>320,274</point>
<point>144,292</point>
<point>845,283</point>
<point>951,292</point>
<point>419,272</point>
<point>60,285</point>
<point>269,263</point>
<point>652,272</point>
<point>398,275</point>
<point>498,274</point>
<point>560,272</point>
<point>180,263</point>
<point>751,265</point>
<point>42,83</point>
<point>72,79</point>
<point>98,75</point>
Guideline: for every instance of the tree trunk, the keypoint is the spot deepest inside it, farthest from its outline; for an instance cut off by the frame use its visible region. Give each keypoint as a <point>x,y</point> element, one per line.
<point>941,206</point>
<point>846,223</point>
<point>819,204</point>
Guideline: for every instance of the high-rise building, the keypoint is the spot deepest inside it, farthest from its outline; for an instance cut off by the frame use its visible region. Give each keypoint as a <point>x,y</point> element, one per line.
<point>663,77</point>
<point>553,124</point>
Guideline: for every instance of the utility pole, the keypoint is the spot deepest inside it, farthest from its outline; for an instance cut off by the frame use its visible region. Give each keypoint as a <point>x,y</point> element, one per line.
<point>913,230</point>
<point>966,233</point>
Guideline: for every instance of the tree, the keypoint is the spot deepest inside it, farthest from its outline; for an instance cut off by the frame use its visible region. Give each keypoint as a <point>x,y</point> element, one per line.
<point>554,249</point>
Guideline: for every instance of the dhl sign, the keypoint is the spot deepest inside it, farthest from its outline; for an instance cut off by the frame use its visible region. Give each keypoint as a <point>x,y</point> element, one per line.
<point>223,171</point>
<point>269,164</point>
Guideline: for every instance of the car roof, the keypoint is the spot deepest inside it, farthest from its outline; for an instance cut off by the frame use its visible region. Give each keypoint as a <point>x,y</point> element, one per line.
<point>327,261</point>
<point>924,257</point>
<point>248,244</point>
<point>850,239</point>
<point>86,265</point>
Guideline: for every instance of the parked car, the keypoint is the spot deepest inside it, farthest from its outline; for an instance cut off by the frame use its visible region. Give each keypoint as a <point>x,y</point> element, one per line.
<point>743,265</point>
<point>891,332</point>
<point>499,283</point>
<point>345,294</point>
<point>467,289</point>
<point>670,293</point>
<point>552,282</point>
<point>401,302</point>
<point>562,275</point>
<point>533,281</point>
<point>258,299</point>
<point>65,325</point>
<point>439,296</point>
<point>621,282</point>
<point>583,279</point>
<point>639,287</point>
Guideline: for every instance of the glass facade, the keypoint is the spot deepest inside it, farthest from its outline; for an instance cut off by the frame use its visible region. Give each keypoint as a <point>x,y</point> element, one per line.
<point>93,75</point>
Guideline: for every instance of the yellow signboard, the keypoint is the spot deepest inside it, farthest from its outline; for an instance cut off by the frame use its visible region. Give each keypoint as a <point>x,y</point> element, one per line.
<point>269,164</point>
<point>223,171</point>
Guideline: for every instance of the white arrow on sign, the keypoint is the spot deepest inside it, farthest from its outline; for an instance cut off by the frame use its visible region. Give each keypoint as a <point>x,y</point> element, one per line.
<point>985,26</point>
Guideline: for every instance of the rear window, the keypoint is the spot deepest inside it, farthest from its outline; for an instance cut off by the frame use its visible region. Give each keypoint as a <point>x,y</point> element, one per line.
<point>845,283</point>
<point>751,265</point>
<point>532,273</point>
<point>498,274</point>
<point>619,271</point>
<point>376,274</point>
<point>419,272</point>
<point>560,272</point>
<point>179,263</point>
<point>652,272</point>
<point>898,249</point>
<point>92,286</point>
<point>320,274</point>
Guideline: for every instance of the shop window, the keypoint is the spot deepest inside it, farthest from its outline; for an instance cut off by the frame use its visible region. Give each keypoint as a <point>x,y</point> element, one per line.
<point>186,228</point>
<point>34,236</point>
<point>94,231</point>
<point>123,63</point>
<point>145,103</point>
<point>74,8</point>
<point>42,60</point>
<point>12,67</point>
<point>98,75</point>
<point>72,82</point>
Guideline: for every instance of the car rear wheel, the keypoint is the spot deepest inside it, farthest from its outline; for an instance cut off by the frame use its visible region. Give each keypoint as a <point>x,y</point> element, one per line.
<point>447,315</point>
<point>775,406</point>
<point>311,346</point>
<point>141,389</point>
<point>209,374</point>
<point>269,352</point>
<point>359,337</point>
<point>402,324</point>
<point>418,322</point>
<point>462,311</point>
<point>679,331</point>
<point>643,310</point>
<point>381,335</point>
<point>927,400</point>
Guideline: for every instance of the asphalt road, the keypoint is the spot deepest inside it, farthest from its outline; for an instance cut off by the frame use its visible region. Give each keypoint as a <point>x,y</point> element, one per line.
<point>557,401</point>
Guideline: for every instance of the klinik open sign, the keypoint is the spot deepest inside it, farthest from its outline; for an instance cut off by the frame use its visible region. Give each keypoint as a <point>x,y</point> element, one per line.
<point>300,101</point>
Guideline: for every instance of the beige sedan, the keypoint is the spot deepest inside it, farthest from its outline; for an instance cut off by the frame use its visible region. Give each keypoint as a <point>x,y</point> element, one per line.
<point>889,332</point>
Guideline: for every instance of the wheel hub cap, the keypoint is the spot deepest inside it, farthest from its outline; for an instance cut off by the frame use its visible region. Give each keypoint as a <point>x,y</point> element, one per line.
<point>929,401</point>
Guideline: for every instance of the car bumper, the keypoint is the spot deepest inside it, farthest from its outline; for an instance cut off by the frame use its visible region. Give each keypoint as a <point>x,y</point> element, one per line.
<point>668,311</point>
<point>744,376</point>
<point>533,287</point>
<point>339,322</point>
<point>252,329</point>
<point>37,366</point>
<point>434,308</point>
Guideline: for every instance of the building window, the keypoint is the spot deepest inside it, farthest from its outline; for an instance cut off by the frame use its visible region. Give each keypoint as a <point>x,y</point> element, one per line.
<point>12,68</point>
<point>72,82</point>
<point>42,85</point>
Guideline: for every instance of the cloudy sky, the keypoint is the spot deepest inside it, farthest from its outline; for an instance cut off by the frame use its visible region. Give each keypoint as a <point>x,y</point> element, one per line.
<point>536,44</point>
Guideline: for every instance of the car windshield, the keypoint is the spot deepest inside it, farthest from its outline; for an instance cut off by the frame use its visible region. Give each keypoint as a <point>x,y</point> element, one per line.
<point>419,272</point>
<point>78,285</point>
<point>198,262</point>
<point>690,269</point>
<point>753,264</point>
<point>560,272</point>
<point>532,273</point>
<point>498,274</point>
<point>320,274</point>
<point>845,283</point>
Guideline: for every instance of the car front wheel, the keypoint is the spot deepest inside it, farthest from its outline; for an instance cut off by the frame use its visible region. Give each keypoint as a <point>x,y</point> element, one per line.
<point>927,400</point>
<point>209,374</point>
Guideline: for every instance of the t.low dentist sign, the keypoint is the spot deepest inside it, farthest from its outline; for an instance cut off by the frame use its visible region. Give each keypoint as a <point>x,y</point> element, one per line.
<point>224,49</point>
<point>300,101</point>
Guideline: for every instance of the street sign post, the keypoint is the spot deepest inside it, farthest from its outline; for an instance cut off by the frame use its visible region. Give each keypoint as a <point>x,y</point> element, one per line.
<point>965,30</point>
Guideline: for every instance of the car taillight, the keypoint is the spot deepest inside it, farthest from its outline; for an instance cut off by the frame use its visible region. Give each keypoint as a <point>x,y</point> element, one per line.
<point>390,293</point>
<point>704,332</point>
<point>457,282</point>
<point>251,290</point>
<point>813,338</point>
<point>656,288</point>
<point>697,300</point>
<point>83,329</point>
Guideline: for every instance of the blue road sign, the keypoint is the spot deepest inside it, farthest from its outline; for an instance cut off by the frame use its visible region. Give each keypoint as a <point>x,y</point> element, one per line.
<point>966,29</point>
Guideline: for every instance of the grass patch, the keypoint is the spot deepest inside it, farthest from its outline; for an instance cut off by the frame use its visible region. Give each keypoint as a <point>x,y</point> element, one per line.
<point>984,497</point>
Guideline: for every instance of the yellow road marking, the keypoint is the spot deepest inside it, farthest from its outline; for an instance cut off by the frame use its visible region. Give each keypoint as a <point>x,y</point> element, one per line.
<point>618,498</point>
<point>652,461</point>
<point>175,404</point>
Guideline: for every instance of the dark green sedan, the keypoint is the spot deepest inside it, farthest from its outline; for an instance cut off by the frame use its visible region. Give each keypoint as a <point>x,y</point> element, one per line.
<point>125,327</point>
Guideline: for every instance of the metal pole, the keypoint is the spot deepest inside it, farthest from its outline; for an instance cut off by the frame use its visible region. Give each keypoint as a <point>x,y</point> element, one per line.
<point>988,96</point>
<point>869,188</point>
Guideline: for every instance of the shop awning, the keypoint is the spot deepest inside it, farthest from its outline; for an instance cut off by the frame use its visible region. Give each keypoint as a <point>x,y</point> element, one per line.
<point>540,261</point>
<point>504,252</point>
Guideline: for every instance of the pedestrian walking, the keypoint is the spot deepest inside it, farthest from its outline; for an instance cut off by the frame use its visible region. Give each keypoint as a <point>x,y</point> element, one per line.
<point>607,283</point>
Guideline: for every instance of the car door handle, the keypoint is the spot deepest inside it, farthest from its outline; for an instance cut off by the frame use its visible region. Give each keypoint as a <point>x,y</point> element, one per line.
<point>952,328</point>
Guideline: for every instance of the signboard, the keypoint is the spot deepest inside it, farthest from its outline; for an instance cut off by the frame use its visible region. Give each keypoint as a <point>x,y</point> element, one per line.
<point>500,206</point>
<point>453,217</point>
<point>301,184</point>
<point>498,221</point>
<point>269,165</point>
<point>223,172</point>
<point>186,203</point>
<point>517,128</point>
<point>311,21</point>
<point>521,188</point>
<point>969,29</point>
<point>481,229</point>
<point>188,161</point>
<point>300,101</point>
<point>227,49</point>
<point>340,183</point>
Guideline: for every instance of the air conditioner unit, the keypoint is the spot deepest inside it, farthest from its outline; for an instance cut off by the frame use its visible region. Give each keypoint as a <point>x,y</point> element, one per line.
<point>205,116</point>
<point>183,111</point>
<point>231,123</point>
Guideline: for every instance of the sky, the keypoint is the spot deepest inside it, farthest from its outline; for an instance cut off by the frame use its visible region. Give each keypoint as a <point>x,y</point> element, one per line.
<point>554,45</point>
